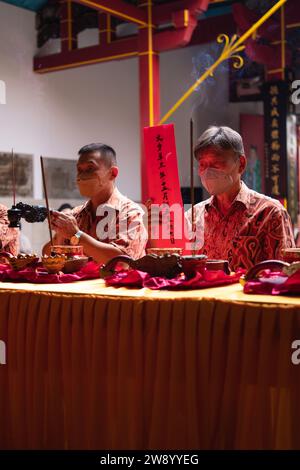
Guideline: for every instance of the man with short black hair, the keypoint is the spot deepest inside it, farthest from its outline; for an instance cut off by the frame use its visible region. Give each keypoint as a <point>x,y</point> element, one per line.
<point>108,154</point>
<point>66,208</point>
<point>108,224</point>
<point>235,223</point>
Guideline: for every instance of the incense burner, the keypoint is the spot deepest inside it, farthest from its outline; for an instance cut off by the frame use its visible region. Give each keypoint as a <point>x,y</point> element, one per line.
<point>272,265</point>
<point>74,257</point>
<point>167,265</point>
<point>74,264</point>
<point>67,250</point>
<point>291,255</point>
<point>54,263</point>
<point>21,261</point>
<point>164,251</point>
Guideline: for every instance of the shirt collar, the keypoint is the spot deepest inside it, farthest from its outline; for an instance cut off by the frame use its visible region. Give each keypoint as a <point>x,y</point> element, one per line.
<point>114,202</point>
<point>243,197</point>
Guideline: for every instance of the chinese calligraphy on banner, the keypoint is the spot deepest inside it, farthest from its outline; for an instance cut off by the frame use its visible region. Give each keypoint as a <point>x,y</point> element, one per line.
<point>163,186</point>
<point>292,166</point>
<point>275,105</point>
<point>280,146</point>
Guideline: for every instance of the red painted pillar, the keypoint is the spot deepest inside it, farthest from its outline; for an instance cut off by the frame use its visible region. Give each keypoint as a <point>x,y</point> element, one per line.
<point>149,86</point>
<point>67,33</point>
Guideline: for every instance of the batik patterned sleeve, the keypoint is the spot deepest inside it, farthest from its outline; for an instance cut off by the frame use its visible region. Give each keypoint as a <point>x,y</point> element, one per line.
<point>131,233</point>
<point>278,233</point>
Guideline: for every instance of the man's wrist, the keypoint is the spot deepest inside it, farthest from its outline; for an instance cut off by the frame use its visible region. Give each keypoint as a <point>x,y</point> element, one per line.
<point>75,239</point>
<point>76,230</point>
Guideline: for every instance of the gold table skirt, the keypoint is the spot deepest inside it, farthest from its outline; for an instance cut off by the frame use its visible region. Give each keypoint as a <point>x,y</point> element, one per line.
<point>94,367</point>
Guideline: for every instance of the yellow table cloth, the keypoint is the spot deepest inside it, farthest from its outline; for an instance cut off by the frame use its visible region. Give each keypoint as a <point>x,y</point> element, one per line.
<point>90,367</point>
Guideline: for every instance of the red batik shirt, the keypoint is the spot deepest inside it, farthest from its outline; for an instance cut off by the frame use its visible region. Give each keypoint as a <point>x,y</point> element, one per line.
<point>9,237</point>
<point>255,229</point>
<point>125,229</point>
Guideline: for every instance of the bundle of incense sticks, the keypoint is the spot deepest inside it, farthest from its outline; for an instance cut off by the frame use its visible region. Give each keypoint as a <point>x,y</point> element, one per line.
<point>47,202</point>
<point>192,183</point>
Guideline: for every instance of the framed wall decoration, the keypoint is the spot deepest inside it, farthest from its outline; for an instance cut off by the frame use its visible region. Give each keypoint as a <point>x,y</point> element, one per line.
<point>61,178</point>
<point>23,174</point>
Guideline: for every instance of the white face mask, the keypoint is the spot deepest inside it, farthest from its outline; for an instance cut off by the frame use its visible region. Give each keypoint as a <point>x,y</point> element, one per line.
<point>217,181</point>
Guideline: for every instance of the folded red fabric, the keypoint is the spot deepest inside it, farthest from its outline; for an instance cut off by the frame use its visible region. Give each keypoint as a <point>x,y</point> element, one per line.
<point>39,275</point>
<point>271,283</point>
<point>134,278</point>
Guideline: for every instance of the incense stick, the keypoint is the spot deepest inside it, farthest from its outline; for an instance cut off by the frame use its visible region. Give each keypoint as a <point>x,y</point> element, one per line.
<point>47,202</point>
<point>13,175</point>
<point>192,181</point>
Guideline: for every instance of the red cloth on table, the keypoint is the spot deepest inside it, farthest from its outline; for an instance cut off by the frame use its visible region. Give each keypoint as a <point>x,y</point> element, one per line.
<point>274,284</point>
<point>39,275</point>
<point>134,278</point>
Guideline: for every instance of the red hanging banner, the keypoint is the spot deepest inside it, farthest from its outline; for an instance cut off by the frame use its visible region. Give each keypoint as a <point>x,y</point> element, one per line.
<point>163,188</point>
